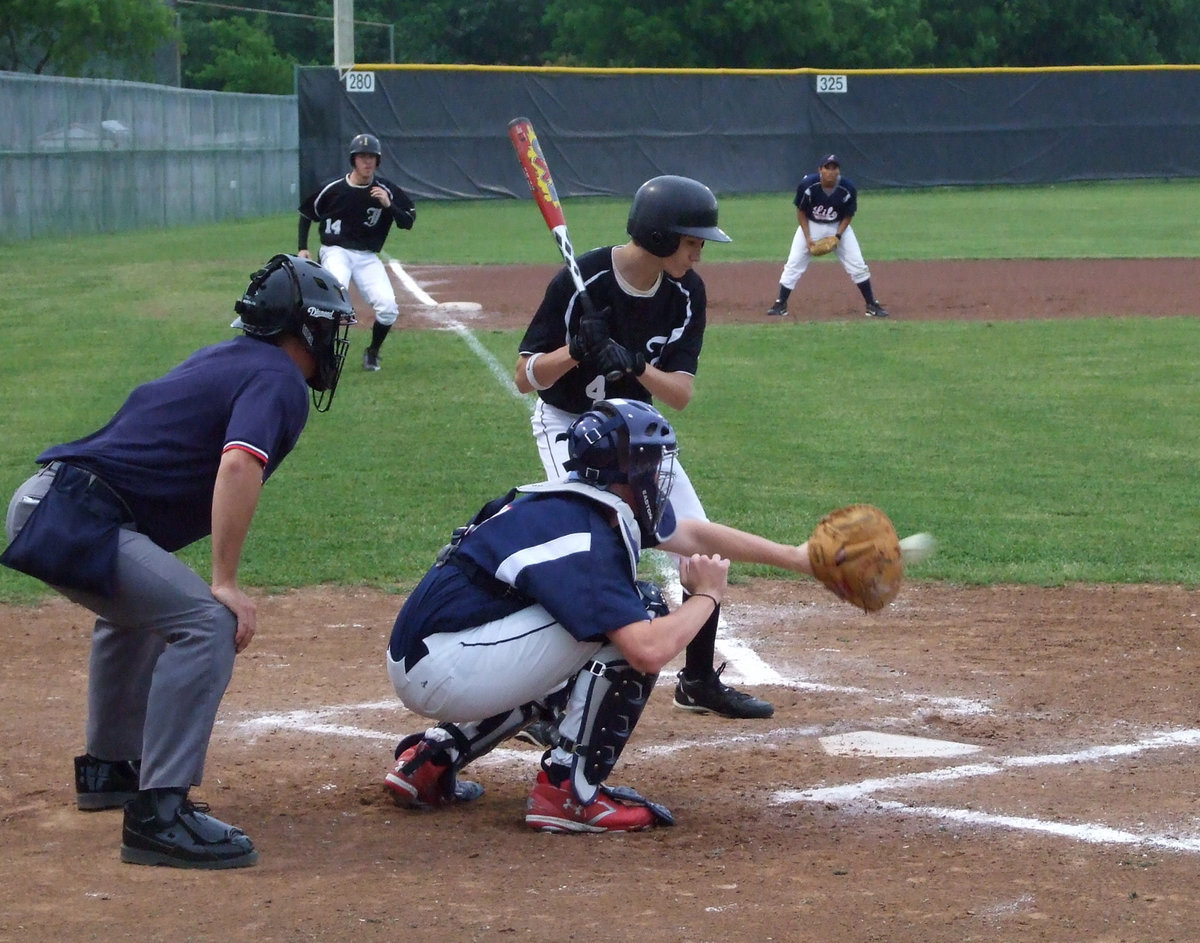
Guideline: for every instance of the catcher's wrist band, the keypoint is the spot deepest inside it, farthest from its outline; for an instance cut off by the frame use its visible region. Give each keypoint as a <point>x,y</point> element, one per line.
<point>716,604</point>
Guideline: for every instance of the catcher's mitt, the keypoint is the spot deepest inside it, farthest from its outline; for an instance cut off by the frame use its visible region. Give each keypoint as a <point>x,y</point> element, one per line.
<point>824,246</point>
<point>855,552</point>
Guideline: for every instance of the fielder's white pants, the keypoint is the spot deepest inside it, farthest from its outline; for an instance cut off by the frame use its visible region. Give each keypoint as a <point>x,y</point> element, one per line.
<point>847,252</point>
<point>366,270</point>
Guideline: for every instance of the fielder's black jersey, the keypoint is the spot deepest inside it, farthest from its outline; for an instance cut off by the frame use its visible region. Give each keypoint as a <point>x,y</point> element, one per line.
<point>667,327</point>
<point>821,207</point>
<point>350,217</point>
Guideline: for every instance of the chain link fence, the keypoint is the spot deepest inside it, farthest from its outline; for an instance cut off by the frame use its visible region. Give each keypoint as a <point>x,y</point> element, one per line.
<point>91,156</point>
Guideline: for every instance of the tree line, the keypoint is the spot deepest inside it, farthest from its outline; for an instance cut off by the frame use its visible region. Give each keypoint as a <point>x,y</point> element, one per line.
<point>229,49</point>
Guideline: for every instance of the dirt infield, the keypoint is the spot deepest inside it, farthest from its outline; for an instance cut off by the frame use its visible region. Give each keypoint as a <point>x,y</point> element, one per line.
<point>1047,789</point>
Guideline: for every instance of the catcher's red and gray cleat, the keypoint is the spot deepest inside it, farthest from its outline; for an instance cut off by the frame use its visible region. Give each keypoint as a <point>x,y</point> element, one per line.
<point>418,782</point>
<point>553,808</point>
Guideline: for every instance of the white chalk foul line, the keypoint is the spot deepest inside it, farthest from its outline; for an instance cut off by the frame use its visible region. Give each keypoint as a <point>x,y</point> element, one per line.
<point>858,793</point>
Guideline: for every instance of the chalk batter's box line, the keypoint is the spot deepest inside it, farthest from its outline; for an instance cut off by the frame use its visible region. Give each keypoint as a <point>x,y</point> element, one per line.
<point>860,796</point>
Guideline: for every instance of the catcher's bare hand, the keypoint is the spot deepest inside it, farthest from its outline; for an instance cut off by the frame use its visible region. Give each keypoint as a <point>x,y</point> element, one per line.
<point>701,573</point>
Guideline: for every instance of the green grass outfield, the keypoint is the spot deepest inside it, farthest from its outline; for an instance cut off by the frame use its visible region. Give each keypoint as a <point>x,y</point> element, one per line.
<point>1038,452</point>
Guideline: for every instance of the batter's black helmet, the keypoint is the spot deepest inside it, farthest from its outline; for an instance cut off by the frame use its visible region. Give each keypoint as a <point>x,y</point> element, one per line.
<point>291,295</point>
<point>366,144</point>
<point>665,208</point>
<point>621,441</point>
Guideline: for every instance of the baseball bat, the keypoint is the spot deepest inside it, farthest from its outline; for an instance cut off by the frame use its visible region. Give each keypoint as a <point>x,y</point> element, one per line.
<point>545,194</point>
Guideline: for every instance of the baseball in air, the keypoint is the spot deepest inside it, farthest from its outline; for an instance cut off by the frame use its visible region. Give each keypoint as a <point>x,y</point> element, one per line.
<point>917,548</point>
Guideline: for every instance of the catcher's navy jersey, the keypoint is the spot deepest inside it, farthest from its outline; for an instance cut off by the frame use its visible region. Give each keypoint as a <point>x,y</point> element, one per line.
<point>242,393</point>
<point>667,327</point>
<point>350,217</point>
<point>556,544</point>
<point>812,200</point>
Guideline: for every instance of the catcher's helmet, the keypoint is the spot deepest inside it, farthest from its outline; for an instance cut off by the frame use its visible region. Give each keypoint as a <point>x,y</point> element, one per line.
<point>294,296</point>
<point>665,208</point>
<point>366,144</point>
<point>620,441</point>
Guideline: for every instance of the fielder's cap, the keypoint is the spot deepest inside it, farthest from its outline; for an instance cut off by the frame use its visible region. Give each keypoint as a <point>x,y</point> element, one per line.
<point>830,159</point>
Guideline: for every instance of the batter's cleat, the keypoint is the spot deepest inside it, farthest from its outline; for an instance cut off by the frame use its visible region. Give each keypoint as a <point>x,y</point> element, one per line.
<point>371,359</point>
<point>163,827</point>
<point>876,310</point>
<point>105,784</point>
<point>552,808</point>
<point>709,695</point>
<point>418,782</point>
<point>777,310</point>
<point>541,733</point>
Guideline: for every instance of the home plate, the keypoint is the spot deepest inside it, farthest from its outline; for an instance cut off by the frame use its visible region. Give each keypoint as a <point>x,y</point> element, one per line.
<point>869,743</point>
<point>460,307</point>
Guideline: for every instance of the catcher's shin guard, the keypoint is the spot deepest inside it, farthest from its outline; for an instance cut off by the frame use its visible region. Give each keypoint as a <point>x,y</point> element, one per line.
<point>460,744</point>
<point>606,702</point>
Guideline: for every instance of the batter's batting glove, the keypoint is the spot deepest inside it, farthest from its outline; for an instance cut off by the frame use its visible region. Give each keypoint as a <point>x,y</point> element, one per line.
<point>592,334</point>
<point>615,360</point>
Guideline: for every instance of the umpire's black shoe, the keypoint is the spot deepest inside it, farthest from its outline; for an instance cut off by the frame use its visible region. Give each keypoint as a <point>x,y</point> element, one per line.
<point>709,695</point>
<point>104,784</point>
<point>163,827</point>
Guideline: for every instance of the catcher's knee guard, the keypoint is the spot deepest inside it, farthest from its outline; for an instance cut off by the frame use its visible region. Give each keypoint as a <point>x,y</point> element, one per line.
<point>607,700</point>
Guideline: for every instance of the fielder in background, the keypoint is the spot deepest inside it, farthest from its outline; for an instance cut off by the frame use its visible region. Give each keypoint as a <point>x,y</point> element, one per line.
<point>356,213</point>
<point>643,344</point>
<point>185,457</point>
<point>534,610</point>
<point>825,204</point>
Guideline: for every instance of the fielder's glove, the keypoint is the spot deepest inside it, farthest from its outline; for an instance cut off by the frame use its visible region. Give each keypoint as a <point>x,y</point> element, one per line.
<point>615,361</point>
<point>855,552</point>
<point>592,334</point>
<point>825,246</point>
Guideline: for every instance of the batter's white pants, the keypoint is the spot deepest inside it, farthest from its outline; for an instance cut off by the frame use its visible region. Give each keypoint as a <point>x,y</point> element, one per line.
<point>366,270</point>
<point>847,252</point>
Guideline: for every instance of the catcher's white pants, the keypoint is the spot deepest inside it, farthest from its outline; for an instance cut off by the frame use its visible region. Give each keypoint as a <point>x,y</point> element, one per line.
<point>491,668</point>
<point>368,274</point>
<point>847,252</point>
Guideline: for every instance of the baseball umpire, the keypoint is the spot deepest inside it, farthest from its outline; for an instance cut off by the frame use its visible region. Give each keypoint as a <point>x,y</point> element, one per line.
<point>644,343</point>
<point>185,457</point>
<point>356,213</point>
<point>534,609</point>
<point>826,202</point>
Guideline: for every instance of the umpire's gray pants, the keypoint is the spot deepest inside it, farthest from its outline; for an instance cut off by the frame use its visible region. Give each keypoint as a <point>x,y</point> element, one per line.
<point>162,656</point>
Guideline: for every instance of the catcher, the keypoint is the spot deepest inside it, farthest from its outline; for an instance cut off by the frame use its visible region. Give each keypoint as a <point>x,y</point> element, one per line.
<point>826,202</point>
<point>535,606</point>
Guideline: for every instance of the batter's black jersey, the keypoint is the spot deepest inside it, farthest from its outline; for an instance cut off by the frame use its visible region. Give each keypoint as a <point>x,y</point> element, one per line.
<point>821,207</point>
<point>667,327</point>
<point>350,217</point>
